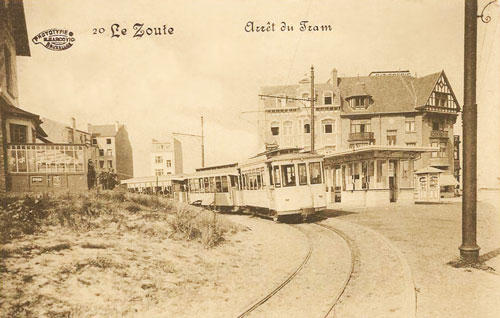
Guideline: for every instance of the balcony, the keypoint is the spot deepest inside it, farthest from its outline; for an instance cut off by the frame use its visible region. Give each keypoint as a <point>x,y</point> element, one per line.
<point>439,134</point>
<point>361,136</point>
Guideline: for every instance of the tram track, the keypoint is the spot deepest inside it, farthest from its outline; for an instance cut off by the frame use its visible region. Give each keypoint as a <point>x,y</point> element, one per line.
<point>282,284</point>
<point>308,232</point>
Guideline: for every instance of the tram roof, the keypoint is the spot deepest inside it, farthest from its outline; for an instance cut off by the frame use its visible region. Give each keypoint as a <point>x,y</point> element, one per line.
<point>232,171</point>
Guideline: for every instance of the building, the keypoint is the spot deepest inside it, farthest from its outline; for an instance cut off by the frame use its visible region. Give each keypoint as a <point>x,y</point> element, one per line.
<point>383,109</point>
<point>69,134</point>
<point>28,160</point>
<point>115,150</point>
<point>166,157</point>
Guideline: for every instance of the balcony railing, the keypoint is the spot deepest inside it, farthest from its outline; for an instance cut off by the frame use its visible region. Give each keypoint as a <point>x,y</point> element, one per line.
<point>439,134</point>
<point>361,136</point>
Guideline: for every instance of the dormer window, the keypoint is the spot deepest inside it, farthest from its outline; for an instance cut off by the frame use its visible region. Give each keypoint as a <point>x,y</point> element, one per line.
<point>327,98</point>
<point>305,95</point>
<point>281,102</point>
<point>359,102</point>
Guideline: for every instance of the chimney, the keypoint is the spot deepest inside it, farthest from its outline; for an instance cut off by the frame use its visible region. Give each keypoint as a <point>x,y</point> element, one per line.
<point>335,78</point>
<point>73,127</point>
<point>89,127</point>
<point>117,125</point>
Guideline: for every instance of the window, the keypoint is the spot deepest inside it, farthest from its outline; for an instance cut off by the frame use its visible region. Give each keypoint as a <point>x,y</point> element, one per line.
<point>281,101</point>
<point>8,70</point>
<point>434,154</point>
<point>327,98</point>
<point>302,173</point>
<point>109,152</point>
<point>158,159</point>
<point>211,186</point>
<point>110,164</point>
<point>391,137</point>
<point>405,170</point>
<point>218,184</point>
<point>361,125</point>
<point>328,126</point>
<point>18,134</point>
<point>315,172</point>
<point>410,124</point>
<point>275,129</point>
<point>359,102</point>
<point>277,179</point>
<point>225,187</point>
<point>101,152</point>
<point>158,172</point>
<point>442,149</point>
<point>33,135</point>
<point>287,128</point>
<point>288,172</point>
<point>307,128</point>
<point>71,135</point>
<point>206,184</point>
<point>101,164</point>
<point>169,163</point>
<point>108,141</point>
<point>94,141</point>
<point>440,99</point>
<point>435,125</point>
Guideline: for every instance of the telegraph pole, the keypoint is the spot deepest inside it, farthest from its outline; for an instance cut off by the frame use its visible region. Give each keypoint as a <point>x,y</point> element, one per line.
<point>312,108</point>
<point>469,250</point>
<point>202,145</point>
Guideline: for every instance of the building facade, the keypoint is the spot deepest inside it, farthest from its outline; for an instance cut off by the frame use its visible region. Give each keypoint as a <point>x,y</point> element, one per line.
<point>115,150</point>
<point>166,157</point>
<point>383,109</point>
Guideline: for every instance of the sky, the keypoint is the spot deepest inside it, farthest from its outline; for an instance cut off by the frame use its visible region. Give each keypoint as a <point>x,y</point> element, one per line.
<point>211,67</point>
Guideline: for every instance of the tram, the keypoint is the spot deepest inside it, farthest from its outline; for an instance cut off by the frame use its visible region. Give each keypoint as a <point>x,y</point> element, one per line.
<point>276,183</point>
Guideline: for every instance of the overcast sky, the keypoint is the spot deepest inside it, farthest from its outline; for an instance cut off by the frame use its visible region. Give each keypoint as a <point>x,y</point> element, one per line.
<point>211,67</point>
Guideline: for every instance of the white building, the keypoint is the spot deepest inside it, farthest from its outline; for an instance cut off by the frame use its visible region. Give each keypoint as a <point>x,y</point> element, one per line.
<point>166,157</point>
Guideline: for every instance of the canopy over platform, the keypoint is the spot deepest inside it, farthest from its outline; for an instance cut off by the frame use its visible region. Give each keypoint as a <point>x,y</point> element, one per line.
<point>376,151</point>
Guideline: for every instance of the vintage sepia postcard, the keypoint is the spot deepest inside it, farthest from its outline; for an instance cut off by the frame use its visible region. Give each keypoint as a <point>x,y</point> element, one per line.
<point>231,158</point>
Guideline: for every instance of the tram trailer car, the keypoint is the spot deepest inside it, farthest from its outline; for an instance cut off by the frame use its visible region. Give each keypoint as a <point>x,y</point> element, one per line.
<point>217,187</point>
<point>283,183</point>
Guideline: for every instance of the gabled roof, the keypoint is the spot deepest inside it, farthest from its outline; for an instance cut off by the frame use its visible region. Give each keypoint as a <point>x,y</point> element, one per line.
<point>18,112</point>
<point>104,130</point>
<point>397,93</point>
<point>391,93</point>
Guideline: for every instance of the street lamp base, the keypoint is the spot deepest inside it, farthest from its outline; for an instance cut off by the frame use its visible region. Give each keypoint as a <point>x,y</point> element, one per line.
<point>470,254</point>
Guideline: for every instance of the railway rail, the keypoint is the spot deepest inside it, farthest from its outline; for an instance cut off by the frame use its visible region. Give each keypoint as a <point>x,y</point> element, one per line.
<point>289,278</point>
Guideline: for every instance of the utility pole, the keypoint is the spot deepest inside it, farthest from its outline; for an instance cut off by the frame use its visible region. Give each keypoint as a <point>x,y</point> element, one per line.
<point>312,108</point>
<point>469,250</point>
<point>202,145</point>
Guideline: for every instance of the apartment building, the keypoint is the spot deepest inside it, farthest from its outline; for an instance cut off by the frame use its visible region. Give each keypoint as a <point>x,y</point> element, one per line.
<point>166,157</point>
<point>115,150</point>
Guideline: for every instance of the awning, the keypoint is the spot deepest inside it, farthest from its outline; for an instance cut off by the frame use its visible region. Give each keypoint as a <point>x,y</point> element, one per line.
<point>447,180</point>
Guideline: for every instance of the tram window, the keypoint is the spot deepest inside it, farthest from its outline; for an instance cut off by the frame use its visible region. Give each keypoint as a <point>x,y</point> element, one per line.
<point>302,174</point>
<point>200,181</point>
<point>224,184</point>
<point>218,184</point>
<point>315,172</point>
<point>262,178</point>
<point>233,181</point>
<point>276,172</point>
<point>212,184</point>
<point>207,187</point>
<point>259,182</point>
<point>288,172</point>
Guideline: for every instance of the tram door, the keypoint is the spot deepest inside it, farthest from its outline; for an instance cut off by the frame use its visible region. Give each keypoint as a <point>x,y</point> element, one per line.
<point>393,186</point>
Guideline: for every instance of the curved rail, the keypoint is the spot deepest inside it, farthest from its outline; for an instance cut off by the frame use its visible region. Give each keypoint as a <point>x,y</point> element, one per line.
<point>284,283</point>
<point>354,254</point>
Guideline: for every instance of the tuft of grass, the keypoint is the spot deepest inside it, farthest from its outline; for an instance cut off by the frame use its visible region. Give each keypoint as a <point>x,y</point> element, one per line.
<point>133,207</point>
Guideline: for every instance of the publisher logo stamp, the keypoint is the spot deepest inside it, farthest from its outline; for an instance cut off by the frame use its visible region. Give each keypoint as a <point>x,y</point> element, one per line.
<point>55,39</point>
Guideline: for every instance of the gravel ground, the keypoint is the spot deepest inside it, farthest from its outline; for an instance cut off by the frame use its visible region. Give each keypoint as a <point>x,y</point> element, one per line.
<point>377,286</point>
<point>311,293</point>
<point>429,236</point>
